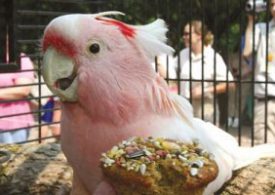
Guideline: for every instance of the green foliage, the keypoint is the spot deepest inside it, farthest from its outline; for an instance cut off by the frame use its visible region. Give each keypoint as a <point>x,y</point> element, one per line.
<point>225,18</point>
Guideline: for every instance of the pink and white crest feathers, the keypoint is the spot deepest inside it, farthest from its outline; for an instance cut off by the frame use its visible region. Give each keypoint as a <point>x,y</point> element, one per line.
<point>151,37</point>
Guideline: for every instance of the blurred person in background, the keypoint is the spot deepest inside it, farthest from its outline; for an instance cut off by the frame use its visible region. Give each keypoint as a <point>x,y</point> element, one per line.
<point>205,64</point>
<point>12,102</point>
<point>264,71</point>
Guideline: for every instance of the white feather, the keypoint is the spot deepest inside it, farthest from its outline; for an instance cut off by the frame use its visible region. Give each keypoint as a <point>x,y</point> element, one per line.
<point>249,155</point>
<point>184,105</point>
<point>228,154</point>
<point>108,13</point>
<point>152,38</point>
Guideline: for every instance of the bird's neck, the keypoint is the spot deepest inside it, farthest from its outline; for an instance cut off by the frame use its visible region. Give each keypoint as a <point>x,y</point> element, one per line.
<point>127,106</point>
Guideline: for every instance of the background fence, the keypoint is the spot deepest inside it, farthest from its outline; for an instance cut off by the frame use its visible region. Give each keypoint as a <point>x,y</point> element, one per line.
<point>22,24</point>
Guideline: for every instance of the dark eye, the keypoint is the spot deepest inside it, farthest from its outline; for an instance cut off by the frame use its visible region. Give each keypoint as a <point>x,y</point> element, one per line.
<point>94,48</point>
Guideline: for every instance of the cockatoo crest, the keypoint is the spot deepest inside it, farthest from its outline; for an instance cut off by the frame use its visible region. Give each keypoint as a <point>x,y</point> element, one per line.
<point>150,37</point>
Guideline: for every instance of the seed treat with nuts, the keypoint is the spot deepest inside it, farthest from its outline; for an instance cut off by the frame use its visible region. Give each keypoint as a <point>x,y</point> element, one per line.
<point>149,166</point>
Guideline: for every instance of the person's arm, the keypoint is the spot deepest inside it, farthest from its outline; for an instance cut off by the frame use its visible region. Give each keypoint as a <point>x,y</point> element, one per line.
<point>162,70</point>
<point>247,51</point>
<point>15,93</point>
<point>162,66</point>
<point>220,88</point>
<point>221,74</point>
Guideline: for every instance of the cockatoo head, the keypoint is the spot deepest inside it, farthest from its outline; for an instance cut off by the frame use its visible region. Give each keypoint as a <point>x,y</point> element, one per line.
<point>102,64</point>
<point>97,51</point>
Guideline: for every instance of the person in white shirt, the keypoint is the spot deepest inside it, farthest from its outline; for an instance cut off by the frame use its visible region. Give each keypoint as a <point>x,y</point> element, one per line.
<point>263,42</point>
<point>202,70</point>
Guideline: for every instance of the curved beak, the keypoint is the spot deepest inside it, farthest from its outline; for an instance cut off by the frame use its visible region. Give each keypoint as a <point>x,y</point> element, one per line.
<point>60,75</point>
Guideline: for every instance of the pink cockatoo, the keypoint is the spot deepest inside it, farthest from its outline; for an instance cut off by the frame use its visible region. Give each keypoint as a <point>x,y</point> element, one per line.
<point>101,70</point>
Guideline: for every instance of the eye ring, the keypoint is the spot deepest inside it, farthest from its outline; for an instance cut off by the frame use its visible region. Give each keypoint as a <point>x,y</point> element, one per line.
<point>94,48</point>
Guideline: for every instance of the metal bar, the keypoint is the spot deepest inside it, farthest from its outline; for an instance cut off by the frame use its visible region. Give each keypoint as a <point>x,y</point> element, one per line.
<point>78,1</point>
<point>29,127</point>
<point>39,102</point>
<point>202,60</point>
<point>40,13</point>
<point>34,41</point>
<point>30,27</point>
<point>239,83</point>
<point>227,68</point>
<point>266,73</point>
<point>15,51</point>
<point>190,53</point>
<point>33,112</point>
<point>23,99</point>
<point>39,139</point>
<point>19,85</point>
<point>253,71</point>
<point>215,68</point>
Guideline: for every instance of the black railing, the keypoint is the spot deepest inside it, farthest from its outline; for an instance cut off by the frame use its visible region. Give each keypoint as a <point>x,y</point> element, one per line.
<point>26,21</point>
<point>226,19</point>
